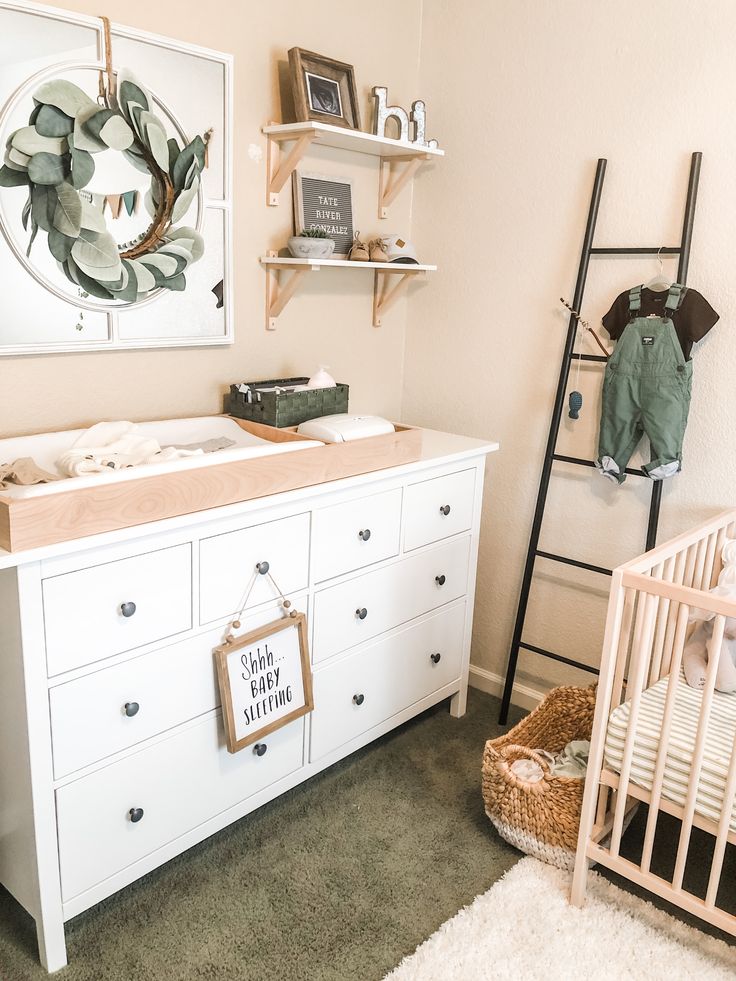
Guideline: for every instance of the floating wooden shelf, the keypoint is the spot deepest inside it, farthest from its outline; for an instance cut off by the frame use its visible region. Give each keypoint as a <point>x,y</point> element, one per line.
<point>400,160</point>
<point>348,139</point>
<point>279,293</point>
<point>389,267</point>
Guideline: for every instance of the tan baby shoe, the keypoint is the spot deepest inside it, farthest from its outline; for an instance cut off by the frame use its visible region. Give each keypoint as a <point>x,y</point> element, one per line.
<point>358,252</point>
<point>377,251</point>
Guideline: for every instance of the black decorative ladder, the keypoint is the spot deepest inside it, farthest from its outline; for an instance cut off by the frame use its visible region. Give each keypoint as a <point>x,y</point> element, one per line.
<point>550,456</point>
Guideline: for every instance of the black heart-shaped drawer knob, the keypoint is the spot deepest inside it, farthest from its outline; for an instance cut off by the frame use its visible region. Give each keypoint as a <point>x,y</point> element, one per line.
<point>440,580</point>
<point>445,509</point>
<point>135,814</point>
<point>365,534</point>
<point>358,699</point>
<point>131,709</point>
<point>435,658</point>
<point>361,613</point>
<point>260,749</point>
<point>128,609</point>
<point>263,567</point>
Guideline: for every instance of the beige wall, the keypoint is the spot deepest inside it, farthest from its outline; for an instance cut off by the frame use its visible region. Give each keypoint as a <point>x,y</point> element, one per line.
<point>330,322</point>
<point>525,96</point>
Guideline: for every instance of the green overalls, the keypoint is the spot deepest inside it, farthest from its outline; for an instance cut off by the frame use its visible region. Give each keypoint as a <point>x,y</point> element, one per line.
<point>646,390</point>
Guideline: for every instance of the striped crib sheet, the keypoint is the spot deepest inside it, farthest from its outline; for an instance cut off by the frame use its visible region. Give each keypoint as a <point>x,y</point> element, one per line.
<point>718,745</point>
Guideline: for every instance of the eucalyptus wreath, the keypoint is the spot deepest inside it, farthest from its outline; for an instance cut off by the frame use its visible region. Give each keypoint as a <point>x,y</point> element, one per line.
<point>53,156</point>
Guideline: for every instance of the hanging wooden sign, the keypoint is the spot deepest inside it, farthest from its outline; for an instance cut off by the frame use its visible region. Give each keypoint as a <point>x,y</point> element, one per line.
<point>265,680</point>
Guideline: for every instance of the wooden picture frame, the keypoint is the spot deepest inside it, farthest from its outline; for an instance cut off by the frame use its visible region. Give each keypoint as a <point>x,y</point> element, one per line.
<point>256,693</point>
<point>325,201</point>
<point>324,89</point>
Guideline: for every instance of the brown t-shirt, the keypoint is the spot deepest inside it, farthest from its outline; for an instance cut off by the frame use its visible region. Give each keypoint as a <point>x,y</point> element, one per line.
<point>692,320</point>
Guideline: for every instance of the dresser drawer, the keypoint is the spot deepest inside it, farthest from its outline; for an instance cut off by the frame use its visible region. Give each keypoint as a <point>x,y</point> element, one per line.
<point>113,709</point>
<point>354,611</point>
<point>438,508</point>
<point>370,686</point>
<point>228,562</point>
<point>178,784</point>
<point>107,609</point>
<point>355,534</point>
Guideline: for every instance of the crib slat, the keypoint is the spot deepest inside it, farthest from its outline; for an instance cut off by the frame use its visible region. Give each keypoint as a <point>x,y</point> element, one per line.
<point>660,630</point>
<point>718,562</point>
<point>724,827</point>
<point>598,735</point>
<point>701,551</point>
<point>640,663</point>
<point>710,554</point>
<point>637,648</point>
<point>638,626</point>
<point>692,554</point>
<point>623,647</point>
<point>697,761</point>
<point>672,615</point>
<point>600,814</point>
<point>664,738</point>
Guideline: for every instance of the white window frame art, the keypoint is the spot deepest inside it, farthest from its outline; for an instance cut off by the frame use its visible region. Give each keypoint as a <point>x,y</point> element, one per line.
<point>223,205</point>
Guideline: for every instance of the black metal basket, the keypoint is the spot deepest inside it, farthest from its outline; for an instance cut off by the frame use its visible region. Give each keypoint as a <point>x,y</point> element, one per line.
<point>283,409</point>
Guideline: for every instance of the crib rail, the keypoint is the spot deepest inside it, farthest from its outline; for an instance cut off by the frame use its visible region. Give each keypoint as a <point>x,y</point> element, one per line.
<point>721,526</point>
<point>647,630</point>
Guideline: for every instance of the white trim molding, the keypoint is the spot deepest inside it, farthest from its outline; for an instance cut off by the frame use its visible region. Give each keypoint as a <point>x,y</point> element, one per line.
<point>492,684</point>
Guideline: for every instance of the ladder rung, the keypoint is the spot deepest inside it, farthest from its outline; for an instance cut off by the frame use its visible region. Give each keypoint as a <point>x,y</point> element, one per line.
<point>576,562</point>
<point>559,657</point>
<point>589,357</point>
<point>639,250</point>
<point>591,463</point>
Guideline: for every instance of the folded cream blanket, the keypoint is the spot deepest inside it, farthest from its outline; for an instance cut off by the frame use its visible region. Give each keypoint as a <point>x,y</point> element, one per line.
<point>114,446</point>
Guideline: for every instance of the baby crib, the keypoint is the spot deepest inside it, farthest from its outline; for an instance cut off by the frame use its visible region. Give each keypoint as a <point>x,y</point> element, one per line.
<point>656,740</point>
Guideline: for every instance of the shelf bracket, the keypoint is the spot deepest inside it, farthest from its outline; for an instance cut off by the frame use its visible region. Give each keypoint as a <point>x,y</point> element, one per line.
<point>385,297</point>
<point>278,292</point>
<point>393,179</point>
<point>278,171</point>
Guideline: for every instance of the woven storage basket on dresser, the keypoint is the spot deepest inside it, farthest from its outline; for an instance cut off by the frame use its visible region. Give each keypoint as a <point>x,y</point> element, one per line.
<point>281,409</point>
<point>539,818</point>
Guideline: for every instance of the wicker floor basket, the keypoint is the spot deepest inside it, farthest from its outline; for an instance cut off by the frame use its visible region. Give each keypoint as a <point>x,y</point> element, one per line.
<point>539,818</point>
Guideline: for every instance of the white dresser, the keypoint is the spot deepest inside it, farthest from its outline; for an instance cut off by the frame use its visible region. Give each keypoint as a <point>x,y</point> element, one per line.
<point>109,707</point>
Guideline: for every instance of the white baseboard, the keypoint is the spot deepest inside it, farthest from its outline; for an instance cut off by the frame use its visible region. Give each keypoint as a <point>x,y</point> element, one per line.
<point>488,681</point>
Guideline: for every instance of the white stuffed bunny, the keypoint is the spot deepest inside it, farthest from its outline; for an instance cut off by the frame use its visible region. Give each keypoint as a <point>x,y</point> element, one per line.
<point>698,649</point>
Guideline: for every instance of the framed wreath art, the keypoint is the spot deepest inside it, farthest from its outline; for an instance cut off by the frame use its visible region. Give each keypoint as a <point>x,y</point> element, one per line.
<point>115,187</point>
<point>53,159</point>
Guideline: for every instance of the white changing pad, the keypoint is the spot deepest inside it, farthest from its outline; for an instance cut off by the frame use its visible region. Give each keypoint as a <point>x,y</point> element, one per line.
<point>718,745</point>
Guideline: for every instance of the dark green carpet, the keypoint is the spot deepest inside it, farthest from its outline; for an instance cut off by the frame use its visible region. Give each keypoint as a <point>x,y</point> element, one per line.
<point>336,880</point>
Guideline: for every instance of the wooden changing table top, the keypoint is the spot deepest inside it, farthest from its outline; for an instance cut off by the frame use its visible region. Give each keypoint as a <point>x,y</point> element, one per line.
<point>28,525</point>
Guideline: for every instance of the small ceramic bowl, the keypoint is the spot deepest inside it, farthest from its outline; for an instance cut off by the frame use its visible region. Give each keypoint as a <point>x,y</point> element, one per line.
<point>311,248</point>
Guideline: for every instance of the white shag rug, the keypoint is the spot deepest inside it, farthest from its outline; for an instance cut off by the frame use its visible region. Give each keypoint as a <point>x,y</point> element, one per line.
<point>523,928</point>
